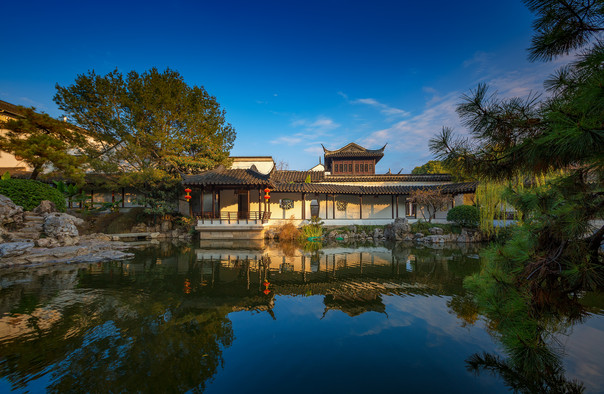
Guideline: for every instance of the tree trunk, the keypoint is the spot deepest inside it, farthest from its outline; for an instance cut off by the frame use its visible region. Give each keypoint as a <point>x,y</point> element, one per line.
<point>35,172</point>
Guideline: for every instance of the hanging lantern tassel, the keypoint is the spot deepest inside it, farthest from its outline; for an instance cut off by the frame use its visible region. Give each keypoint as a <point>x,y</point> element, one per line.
<point>188,195</point>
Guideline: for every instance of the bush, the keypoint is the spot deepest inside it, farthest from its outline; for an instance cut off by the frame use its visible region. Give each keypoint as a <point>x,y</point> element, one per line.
<point>464,215</point>
<point>288,232</point>
<point>29,193</point>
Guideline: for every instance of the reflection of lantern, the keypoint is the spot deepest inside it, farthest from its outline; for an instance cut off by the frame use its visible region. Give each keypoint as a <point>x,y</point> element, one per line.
<point>188,196</point>
<point>266,291</point>
<point>267,191</point>
<point>187,286</point>
<point>266,283</point>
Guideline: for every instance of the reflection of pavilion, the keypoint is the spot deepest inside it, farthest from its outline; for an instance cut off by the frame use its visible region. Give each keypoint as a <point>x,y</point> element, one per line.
<point>351,280</point>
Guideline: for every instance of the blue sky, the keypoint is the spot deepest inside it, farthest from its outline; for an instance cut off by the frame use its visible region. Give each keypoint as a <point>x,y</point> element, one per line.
<point>290,74</point>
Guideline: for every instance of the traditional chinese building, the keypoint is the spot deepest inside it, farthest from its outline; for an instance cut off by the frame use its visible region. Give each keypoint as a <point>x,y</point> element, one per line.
<point>345,190</point>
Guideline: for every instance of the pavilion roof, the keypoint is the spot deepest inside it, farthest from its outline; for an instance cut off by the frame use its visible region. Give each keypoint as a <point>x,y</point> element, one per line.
<point>353,150</point>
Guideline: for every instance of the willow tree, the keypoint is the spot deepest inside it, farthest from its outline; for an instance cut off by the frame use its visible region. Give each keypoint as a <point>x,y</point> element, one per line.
<point>525,139</point>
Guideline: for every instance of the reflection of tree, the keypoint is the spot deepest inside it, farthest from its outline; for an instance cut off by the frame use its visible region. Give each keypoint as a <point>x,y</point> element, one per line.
<point>148,354</point>
<point>552,381</point>
<point>527,328</point>
<point>465,308</point>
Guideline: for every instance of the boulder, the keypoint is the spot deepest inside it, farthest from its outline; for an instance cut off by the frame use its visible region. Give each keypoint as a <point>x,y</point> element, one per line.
<point>11,249</point>
<point>397,229</point>
<point>436,231</point>
<point>61,224</point>
<point>166,226</point>
<point>47,243</point>
<point>45,207</point>
<point>9,211</point>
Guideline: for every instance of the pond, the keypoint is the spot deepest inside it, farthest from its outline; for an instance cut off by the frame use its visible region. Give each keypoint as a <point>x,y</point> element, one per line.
<point>334,319</point>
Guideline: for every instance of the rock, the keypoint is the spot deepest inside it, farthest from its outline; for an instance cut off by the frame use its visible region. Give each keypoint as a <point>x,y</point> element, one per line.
<point>166,226</point>
<point>139,228</point>
<point>47,243</point>
<point>9,211</point>
<point>45,207</point>
<point>436,231</point>
<point>61,224</point>
<point>418,235</point>
<point>397,229</point>
<point>66,240</point>
<point>11,249</point>
<point>155,235</point>
<point>469,236</point>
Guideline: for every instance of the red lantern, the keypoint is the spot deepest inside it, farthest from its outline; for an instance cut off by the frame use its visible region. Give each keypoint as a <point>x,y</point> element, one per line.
<point>267,191</point>
<point>188,196</point>
<point>187,190</point>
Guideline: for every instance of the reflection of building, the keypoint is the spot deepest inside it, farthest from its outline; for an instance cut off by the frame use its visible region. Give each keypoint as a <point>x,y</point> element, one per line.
<point>345,190</point>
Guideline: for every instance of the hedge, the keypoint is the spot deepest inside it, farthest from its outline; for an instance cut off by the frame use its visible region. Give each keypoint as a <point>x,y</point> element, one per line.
<point>29,193</point>
<point>464,215</point>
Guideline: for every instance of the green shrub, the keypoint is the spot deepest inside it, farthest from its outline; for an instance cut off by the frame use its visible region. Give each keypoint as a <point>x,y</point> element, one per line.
<point>464,215</point>
<point>29,193</point>
<point>314,229</point>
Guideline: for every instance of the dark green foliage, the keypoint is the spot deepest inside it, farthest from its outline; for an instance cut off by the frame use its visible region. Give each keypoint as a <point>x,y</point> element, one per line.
<point>29,193</point>
<point>464,215</point>
<point>148,121</point>
<point>550,151</point>
<point>42,141</point>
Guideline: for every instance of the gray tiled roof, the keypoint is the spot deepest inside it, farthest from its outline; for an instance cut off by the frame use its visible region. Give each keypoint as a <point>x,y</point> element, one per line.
<point>294,182</point>
<point>222,176</point>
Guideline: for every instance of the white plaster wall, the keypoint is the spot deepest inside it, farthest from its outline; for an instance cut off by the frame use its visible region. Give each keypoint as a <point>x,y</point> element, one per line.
<point>377,208</point>
<point>264,166</point>
<point>279,213</point>
<point>228,201</point>
<point>352,207</point>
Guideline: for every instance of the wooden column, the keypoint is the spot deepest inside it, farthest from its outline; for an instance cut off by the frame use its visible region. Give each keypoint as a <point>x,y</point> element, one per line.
<point>123,197</point>
<point>259,204</point>
<point>334,205</point>
<point>396,199</point>
<point>213,205</point>
<point>392,199</point>
<point>361,206</point>
<point>201,199</point>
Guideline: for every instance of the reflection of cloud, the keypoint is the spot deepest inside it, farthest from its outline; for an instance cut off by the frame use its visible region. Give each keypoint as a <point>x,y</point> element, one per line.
<point>583,360</point>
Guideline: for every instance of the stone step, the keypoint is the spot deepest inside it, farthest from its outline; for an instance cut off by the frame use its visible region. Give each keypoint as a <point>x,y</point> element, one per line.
<point>18,235</point>
<point>33,217</point>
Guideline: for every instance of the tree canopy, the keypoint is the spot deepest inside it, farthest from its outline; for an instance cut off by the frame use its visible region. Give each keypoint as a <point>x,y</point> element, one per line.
<point>149,122</point>
<point>431,167</point>
<point>45,144</point>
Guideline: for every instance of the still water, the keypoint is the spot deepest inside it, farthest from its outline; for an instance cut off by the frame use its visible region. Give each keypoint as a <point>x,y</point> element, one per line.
<point>280,319</point>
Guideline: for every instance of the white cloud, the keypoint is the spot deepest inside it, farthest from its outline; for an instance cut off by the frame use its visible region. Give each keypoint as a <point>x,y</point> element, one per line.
<point>294,140</point>
<point>385,109</point>
<point>318,126</point>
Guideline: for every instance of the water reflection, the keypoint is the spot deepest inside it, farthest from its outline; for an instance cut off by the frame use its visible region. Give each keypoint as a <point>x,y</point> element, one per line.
<point>163,321</point>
